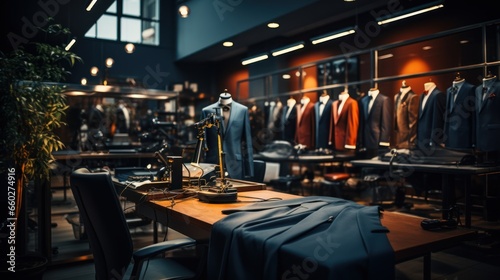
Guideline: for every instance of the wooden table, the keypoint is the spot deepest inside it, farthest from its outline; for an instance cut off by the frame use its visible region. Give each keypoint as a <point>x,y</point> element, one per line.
<point>195,219</point>
<point>465,171</point>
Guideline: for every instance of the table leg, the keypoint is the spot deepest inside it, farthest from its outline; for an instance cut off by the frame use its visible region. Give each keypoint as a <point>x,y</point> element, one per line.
<point>468,202</point>
<point>446,195</point>
<point>427,266</point>
<point>155,232</point>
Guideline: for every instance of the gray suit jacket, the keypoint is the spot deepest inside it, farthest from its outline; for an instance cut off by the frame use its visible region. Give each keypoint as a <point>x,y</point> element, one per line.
<point>236,144</point>
<point>377,124</point>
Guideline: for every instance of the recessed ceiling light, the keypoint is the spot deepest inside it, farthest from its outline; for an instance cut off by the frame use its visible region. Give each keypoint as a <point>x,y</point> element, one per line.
<point>273,25</point>
<point>286,76</point>
<point>426,48</point>
<point>184,11</point>
<point>227,44</point>
<point>129,48</point>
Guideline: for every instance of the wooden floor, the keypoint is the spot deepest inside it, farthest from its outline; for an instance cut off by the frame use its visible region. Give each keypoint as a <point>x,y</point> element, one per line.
<point>478,259</point>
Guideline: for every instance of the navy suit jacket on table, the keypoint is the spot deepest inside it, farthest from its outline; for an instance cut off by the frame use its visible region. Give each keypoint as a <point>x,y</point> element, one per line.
<point>323,237</point>
<point>236,144</point>
<point>488,118</point>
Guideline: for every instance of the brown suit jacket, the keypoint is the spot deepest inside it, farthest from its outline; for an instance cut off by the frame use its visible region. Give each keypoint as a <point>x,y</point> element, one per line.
<point>345,124</point>
<point>305,126</point>
<point>405,120</point>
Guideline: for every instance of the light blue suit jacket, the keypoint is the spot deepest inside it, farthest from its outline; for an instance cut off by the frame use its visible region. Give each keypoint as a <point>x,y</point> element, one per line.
<point>236,144</point>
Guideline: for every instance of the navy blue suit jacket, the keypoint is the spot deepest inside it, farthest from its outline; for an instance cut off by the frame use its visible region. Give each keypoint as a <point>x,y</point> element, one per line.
<point>488,118</point>
<point>237,141</point>
<point>266,240</point>
<point>430,124</point>
<point>459,125</point>
<point>289,124</point>
<point>323,125</point>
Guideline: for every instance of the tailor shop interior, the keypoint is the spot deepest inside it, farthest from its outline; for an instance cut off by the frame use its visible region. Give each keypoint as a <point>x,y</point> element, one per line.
<point>413,89</point>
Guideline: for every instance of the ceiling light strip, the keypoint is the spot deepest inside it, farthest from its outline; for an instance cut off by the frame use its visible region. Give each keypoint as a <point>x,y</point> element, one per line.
<point>410,14</point>
<point>332,36</point>
<point>288,49</point>
<point>70,44</point>
<point>91,5</point>
<point>254,59</point>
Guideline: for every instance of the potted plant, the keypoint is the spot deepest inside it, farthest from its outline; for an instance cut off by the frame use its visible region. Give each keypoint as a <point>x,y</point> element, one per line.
<point>32,106</point>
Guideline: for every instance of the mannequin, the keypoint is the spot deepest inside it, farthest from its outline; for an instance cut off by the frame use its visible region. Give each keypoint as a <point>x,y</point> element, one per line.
<point>405,117</point>
<point>237,137</point>
<point>304,134</point>
<point>323,112</point>
<point>459,120</point>
<point>345,118</point>
<point>377,122</point>
<point>225,98</point>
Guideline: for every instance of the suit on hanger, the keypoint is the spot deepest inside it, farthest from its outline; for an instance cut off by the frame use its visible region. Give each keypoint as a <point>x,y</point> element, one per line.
<point>488,118</point>
<point>459,125</point>
<point>236,144</point>
<point>405,119</point>
<point>345,125</point>
<point>305,125</point>
<point>430,125</point>
<point>322,124</point>
<point>377,123</point>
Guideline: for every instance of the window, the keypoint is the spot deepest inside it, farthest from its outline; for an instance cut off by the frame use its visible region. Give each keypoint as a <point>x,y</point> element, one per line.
<point>135,21</point>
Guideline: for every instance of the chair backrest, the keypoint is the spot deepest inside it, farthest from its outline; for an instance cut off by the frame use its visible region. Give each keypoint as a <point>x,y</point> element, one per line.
<point>104,222</point>
<point>259,171</point>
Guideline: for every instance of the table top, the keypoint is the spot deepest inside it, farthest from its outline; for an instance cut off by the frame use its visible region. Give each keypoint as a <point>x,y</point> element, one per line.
<point>114,154</point>
<point>432,168</point>
<point>408,240</point>
<point>308,158</point>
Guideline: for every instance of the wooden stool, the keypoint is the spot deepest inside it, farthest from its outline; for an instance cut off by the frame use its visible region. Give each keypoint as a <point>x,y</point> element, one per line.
<point>334,182</point>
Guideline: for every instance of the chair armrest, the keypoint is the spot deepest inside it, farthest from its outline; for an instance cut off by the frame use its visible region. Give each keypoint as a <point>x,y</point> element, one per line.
<point>152,250</point>
<point>155,249</point>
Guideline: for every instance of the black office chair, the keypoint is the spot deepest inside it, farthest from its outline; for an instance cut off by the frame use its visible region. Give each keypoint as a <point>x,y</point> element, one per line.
<point>259,171</point>
<point>110,239</point>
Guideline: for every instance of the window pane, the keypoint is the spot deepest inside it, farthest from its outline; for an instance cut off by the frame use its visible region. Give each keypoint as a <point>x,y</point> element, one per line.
<point>150,33</point>
<point>112,8</point>
<point>106,27</point>
<point>151,9</point>
<point>91,32</point>
<point>132,7</point>
<point>130,30</point>
<point>454,50</point>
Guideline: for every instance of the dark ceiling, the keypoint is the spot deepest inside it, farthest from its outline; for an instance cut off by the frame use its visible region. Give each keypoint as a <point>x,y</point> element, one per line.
<point>21,18</point>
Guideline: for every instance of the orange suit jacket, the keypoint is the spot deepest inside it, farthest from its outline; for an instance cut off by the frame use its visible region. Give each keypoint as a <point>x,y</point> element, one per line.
<point>345,124</point>
<point>304,133</point>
